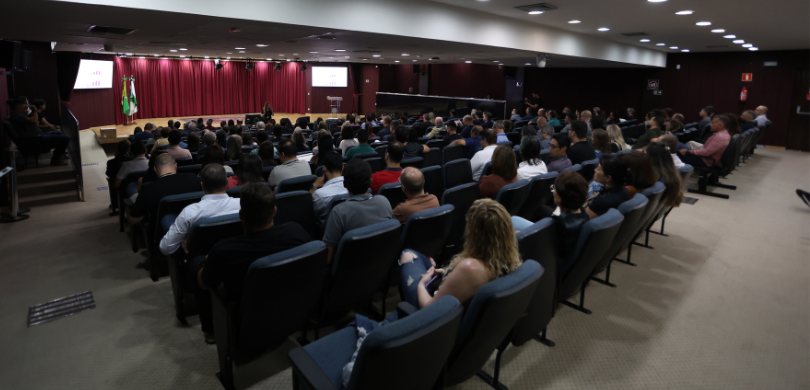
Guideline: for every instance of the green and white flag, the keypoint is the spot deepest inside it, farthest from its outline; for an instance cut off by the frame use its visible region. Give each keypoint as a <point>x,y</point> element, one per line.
<point>124,98</point>
<point>133,102</point>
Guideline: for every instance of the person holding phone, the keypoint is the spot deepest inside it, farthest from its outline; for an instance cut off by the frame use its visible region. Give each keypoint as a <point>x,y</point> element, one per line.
<point>490,251</point>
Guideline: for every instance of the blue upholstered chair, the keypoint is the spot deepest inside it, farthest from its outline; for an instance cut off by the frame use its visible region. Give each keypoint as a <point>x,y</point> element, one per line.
<point>538,194</point>
<point>434,181</point>
<point>512,196</point>
<point>633,211</point>
<point>433,156</point>
<point>461,197</point>
<point>427,231</point>
<point>300,183</point>
<point>393,192</point>
<point>416,162</point>
<point>588,168</point>
<point>452,153</point>
<point>296,206</point>
<point>539,242</point>
<point>457,172</point>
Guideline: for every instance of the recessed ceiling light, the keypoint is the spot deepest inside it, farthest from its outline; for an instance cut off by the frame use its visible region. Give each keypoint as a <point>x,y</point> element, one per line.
<point>182,56</point>
<point>227,58</point>
<point>703,23</point>
<point>365,59</point>
<point>261,45</point>
<point>660,44</point>
<point>496,61</point>
<point>406,55</point>
<point>375,55</point>
<point>535,12</point>
<point>718,30</point>
<point>673,47</point>
<point>206,57</point>
<point>396,60</point>
<point>173,51</point>
<point>753,48</point>
<point>603,29</point>
<point>183,48</point>
<point>313,52</point>
<point>528,64</point>
<point>340,49</point>
<point>239,48</point>
<point>281,55</point>
<point>156,55</point>
<point>141,57</point>
<point>738,41</point>
<point>685,50</point>
<point>468,62</point>
<point>241,51</point>
<point>748,45</point>
<point>343,57</point>
<point>656,1</point>
<point>269,59</point>
<point>414,60</point>
<point>684,12</point>
<point>574,21</point>
<point>730,36</point>
<point>644,40</point>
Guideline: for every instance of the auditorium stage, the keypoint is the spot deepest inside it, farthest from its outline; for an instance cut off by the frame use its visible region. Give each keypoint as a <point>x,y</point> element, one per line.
<point>124,131</point>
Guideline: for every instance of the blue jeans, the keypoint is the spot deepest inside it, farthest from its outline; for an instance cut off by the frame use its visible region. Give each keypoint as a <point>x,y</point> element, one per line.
<point>410,274</point>
<point>520,223</point>
<point>57,141</point>
<point>132,189</point>
<point>682,145</point>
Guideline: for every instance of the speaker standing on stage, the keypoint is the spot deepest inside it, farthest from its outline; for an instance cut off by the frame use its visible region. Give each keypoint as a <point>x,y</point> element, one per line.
<point>267,112</point>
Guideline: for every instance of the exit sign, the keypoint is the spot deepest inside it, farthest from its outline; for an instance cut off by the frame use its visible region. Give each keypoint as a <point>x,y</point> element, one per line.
<point>748,77</point>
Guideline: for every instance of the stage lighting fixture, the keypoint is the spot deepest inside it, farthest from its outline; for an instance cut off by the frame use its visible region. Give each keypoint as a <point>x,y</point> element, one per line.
<point>249,66</point>
<point>304,68</point>
<point>277,67</point>
<point>218,65</point>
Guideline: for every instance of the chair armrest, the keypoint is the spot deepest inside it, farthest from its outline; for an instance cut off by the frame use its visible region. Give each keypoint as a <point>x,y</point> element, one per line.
<point>128,201</point>
<point>405,309</point>
<point>305,368</point>
<point>223,318</point>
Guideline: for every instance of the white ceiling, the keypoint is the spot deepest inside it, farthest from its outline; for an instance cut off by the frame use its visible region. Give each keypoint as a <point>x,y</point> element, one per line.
<point>769,25</point>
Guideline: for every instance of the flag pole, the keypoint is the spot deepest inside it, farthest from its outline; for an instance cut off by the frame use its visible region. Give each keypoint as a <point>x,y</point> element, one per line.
<point>131,121</point>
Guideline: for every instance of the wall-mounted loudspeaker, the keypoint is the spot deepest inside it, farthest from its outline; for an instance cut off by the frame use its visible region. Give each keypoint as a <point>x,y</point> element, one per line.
<point>109,48</point>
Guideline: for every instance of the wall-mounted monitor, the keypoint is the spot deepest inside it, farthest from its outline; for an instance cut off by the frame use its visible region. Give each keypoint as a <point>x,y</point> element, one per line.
<point>94,74</point>
<point>330,76</point>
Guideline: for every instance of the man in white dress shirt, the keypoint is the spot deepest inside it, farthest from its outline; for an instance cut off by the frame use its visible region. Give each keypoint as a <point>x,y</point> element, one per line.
<point>761,118</point>
<point>489,141</point>
<point>214,203</point>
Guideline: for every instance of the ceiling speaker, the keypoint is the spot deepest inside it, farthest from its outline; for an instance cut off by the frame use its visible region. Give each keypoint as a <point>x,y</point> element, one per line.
<point>109,48</point>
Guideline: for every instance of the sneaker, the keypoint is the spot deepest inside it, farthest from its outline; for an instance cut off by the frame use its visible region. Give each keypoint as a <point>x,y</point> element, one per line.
<point>805,196</point>
<point>209,338</point>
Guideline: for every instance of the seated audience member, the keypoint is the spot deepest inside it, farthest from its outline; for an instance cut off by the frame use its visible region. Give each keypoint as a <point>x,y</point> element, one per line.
<point>640,174</point>
<point>527,131</point>
<point>438,126</point>
<point>762,118</point>
<point>747,120</point>
<point>267,154</point>
<point>121,156</point>
<point>209,125</point>
<point>278,133</point>
<point>300,141</point>
<point>394,154</point>
<point>673,126</point>
<point>347,139</point>
<point>161,139</point>
<point>323,144</point>
<point>290,166</point>
<point>569,118</point>
<point>656,124</point>
<point>616,138</point>
<point>532,165</point>
<point>385,129</point>
<point>234,130</point>
<point>665,171</point>
<point>483,156</point>
<point>631,112</point>
<point>223,125</point>
<point>601,142</point>
<point>249,170</point>
<point>558,149</point>
<point>508,126</point>
<point>500,133</point>
<point>478,119</point>
<point>139,162</point>
<point>168,182</point>
<point>174,148</point>
<point>611,173</point>
<point>301,124</point>
<point>396,125</point>
<point>552,118</point>
<point>234,148</point>
<point>504,171</point>
<point>733,124</point>
<point>214,155</point>
<point>193,143</point>
<point>539,123</point>
<point>712,151</point>
<point>467,126</point>
<point>452,134</point>
<point>208,139</point>
<point>580,150</point>
<point>490,251</point>
<point>570,192</point>
<point>28,131</point>
<point>515,116</point>
<point>213,204</point>
<point>360,210</point>
<point>671,143</point>
<point>595,123</point>
<point>144,135</point>
<point>413,148</point>
<point>413,185</point>
<point>261,136</point>
<point>247,139</point>
<point>330,184</point>
<point>229,260</point>
<point>487,121</point>
<point>545,133</point>
<point>362,146</point>
<point>529,114</point>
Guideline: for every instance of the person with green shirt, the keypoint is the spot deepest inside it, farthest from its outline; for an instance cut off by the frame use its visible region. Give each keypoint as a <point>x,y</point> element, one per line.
<point>656,124</point>
<point>552,118</point>
<point>362,147</point>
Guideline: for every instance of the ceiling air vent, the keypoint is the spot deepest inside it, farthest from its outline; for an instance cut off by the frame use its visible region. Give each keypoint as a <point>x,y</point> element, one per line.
<point>635,34</point>
<point>537,7</point>
<point>104,30</point>
<point>717,47</point>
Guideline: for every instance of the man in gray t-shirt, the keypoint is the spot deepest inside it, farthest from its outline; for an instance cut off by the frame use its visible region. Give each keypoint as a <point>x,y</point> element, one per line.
<point>291,166</point>
<point>360,210</point>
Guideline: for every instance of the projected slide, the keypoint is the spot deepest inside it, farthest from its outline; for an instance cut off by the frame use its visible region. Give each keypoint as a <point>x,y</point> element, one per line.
<point>94,75</point>
<point>329,76</point>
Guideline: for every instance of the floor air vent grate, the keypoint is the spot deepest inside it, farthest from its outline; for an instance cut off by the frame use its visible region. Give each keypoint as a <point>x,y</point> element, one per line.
<point>59,308</point>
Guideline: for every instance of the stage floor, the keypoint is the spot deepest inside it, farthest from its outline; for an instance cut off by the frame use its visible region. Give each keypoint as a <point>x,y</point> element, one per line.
<point>124,131</point>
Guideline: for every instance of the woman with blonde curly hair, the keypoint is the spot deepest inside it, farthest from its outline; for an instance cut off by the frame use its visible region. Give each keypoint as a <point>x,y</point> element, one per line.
<point>490,251</point>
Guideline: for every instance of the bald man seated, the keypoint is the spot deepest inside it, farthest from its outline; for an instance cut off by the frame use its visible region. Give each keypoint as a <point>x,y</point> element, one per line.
<point>413,185</point>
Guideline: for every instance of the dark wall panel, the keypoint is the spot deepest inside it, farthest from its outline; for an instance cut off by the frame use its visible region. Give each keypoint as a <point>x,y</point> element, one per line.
<point>467,80</point>
<point>39,81</point>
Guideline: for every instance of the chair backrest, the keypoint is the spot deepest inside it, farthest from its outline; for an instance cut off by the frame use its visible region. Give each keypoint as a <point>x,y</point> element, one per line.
<point>731,155</point>
<point>193,169</point>
<point>538,242</point>
<point>432,157</point>
<point>288,282</point>
<point>574,168</point>
<point>435,143</point>
<point>492,313</point>
<point>434,181</point>
<point>545,155</point>
<point>514,137</point>
<point>381,150</point>
<point>486,171</point>
<point>594,240</point>
<point>300,183</point>
<point>538,194</point>
<point>266,171</point>
<point>208,231</point>
<point>461,197</point>
<point>362,262</point>
<point>654,195</point>
<point>391,354</point>
<point>686,173</point>
<point>393,192</point>
<point>633,211</point>
<point>453,152</point>
<point>173,205</point>
<point>364,156</point>
<point>588,168</point>
<point>235,192</point>
<point>185,161</point>
<point>512,195</point>
<point>415,162</point>
<point>296,206</point>
<point>427,231</point>
<point>377,164</point>
<point>457,172</point>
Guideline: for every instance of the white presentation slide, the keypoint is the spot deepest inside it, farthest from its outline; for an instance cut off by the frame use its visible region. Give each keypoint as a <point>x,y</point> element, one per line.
<point>329,76</point>
<point>94,75</point>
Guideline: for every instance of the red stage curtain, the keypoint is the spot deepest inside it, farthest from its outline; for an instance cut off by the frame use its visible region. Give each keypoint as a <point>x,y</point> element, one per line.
<point>174,88</point>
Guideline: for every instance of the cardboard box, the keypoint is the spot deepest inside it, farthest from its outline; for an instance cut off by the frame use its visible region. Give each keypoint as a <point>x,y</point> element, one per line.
<point>109,132</point>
